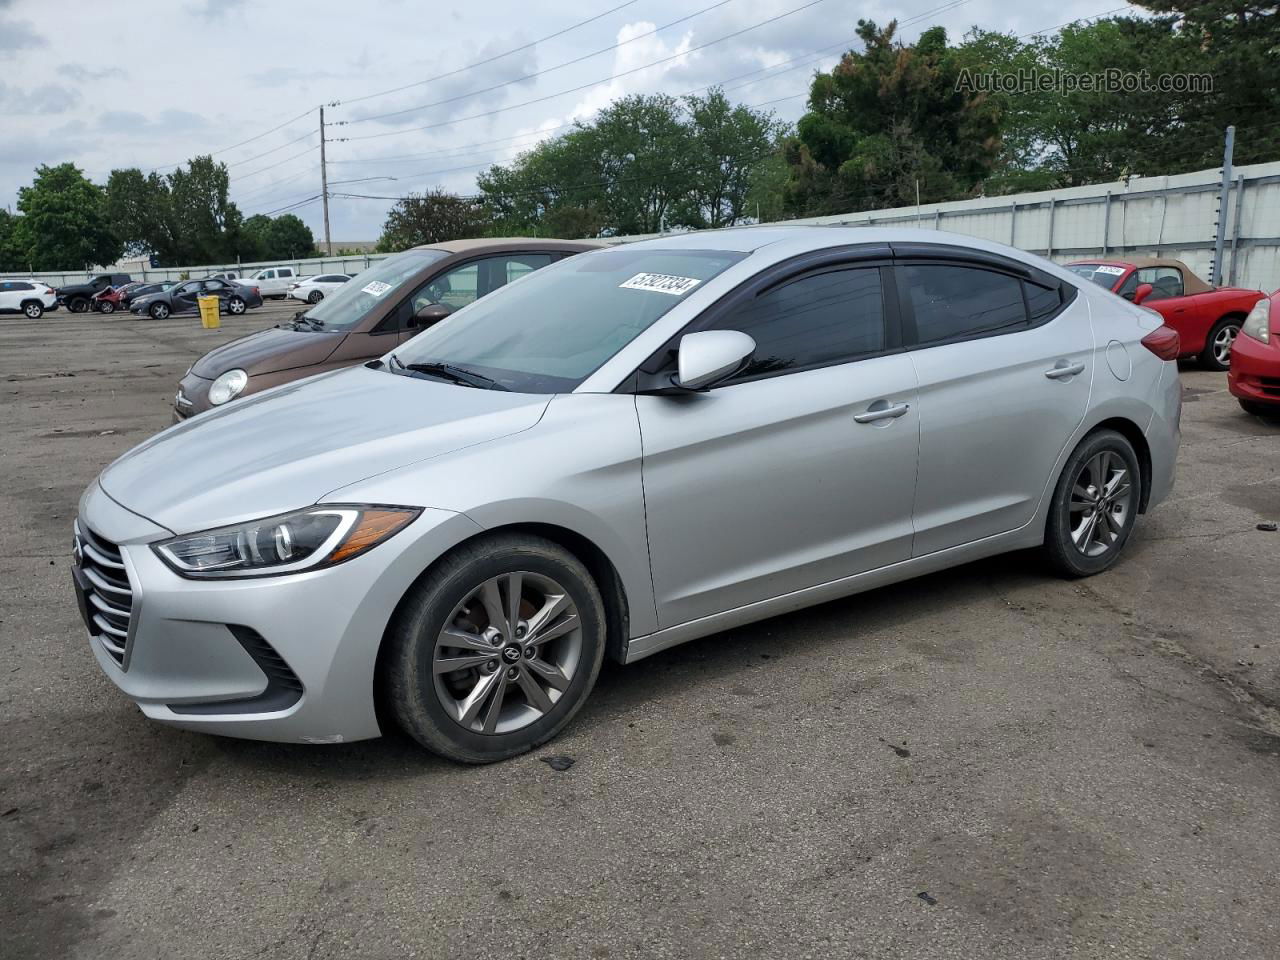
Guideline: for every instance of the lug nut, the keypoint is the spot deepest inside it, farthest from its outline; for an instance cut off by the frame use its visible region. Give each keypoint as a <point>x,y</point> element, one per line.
<point>496,640</point>
<point>491,666</point>
<point>530,652</point>
<point>520,630</point>
<point>512,673</point>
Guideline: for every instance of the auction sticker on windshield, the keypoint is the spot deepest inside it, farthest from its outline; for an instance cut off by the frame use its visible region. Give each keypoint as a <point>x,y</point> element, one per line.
<point>375,287</point>
<point>661,283</point>
<point>1112,271</point>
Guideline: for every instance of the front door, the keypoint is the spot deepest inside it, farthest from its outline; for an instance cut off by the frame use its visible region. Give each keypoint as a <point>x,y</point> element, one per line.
<point>799,471</point>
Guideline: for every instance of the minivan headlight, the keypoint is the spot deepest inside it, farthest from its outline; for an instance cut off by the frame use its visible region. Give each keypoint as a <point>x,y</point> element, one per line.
<point>1257,324</point>
<point>228,387</point>
<point>308,539</point>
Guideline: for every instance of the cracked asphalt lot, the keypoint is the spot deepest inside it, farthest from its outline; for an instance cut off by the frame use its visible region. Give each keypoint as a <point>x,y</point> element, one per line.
<point>984,763</point>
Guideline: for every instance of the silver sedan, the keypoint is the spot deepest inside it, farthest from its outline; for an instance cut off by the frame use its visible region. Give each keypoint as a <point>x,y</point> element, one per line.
<point>627,450</point>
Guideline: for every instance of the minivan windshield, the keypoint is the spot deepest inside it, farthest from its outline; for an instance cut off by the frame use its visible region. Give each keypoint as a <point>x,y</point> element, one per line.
<point>553,328</point>
<point>347,306</point>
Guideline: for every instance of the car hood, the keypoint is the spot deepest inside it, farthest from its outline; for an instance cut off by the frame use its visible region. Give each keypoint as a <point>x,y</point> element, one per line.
<point>268,351</point>
<point>286,448</point>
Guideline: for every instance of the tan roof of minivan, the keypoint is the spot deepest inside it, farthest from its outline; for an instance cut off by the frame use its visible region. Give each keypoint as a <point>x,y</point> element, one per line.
<point>464,246</point>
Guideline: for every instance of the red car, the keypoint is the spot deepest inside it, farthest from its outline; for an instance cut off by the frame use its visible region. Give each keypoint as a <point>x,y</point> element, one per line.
<point>1207,319</point>
<point>1255,360</point>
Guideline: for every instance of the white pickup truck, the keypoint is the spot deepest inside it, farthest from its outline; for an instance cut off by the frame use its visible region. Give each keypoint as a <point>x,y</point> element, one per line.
<point>271,281</point>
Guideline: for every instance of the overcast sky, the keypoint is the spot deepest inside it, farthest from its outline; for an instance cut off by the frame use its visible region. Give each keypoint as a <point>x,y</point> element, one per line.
<point>149,83</point>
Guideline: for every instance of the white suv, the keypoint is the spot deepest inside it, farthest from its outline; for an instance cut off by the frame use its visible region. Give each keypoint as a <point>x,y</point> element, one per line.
<point>31,297</point>
<point>272,282</point>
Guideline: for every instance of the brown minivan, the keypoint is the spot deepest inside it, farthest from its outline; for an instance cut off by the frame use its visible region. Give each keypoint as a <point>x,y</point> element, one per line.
<point>387,304</point>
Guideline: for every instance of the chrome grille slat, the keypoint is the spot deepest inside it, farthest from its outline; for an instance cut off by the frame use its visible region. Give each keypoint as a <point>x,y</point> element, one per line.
<point>107,591</point>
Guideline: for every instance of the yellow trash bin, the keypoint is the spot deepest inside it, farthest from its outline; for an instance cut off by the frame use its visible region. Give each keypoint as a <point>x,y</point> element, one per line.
<point>209,313</point>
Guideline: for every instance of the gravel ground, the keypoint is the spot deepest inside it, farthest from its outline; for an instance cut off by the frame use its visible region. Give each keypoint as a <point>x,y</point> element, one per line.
<point>984,763</point>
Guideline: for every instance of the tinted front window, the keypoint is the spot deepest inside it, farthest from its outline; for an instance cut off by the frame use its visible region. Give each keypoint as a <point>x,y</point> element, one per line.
<point>555,328</point>
<point>1165,282</point>
<point>821,319</point>
<point>349,305</point>
<point>952,303</point>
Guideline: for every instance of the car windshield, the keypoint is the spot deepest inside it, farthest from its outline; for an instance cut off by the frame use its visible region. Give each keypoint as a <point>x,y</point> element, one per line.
<point>550,330</point>
<point>346,307</point>
<point>1103,274</point>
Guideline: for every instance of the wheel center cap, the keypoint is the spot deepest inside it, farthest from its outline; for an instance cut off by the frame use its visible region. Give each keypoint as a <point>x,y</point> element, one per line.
<point>511,654</point>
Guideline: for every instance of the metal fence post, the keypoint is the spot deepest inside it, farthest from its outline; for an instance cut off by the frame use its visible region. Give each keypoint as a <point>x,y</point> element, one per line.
<point>1106,223</point>
<point>1220,234</point>
<point>1049,245</point>
<point>1235,228</point>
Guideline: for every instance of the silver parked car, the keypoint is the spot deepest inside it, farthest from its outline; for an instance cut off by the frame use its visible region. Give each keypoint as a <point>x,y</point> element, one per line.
<point>626,450</point>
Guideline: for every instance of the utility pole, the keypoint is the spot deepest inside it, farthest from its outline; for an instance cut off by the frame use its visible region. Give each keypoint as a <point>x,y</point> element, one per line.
<point>1223,192</point>
<point>324,189</point>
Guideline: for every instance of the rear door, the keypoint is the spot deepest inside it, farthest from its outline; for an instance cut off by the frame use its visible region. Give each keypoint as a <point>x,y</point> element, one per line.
<point>1004,364</point>
<point>785,477</point>
<point>185,296</point>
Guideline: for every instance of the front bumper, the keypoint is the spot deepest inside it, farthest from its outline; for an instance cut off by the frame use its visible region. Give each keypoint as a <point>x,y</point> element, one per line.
<point>287,658</point>
<point>1255,369</point>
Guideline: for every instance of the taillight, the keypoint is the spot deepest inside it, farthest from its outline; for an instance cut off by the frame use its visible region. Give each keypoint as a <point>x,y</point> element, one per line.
<point>255,290</point>
<point>1164,342</point>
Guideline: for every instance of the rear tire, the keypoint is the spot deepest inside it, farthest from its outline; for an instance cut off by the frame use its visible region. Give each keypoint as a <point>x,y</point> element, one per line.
<point>106,306</point>
<point>33,309</point>
<point>235,306</point>
<point>1216,354</point>
<point>484,709</point>
<point>315,296</point>
<point>1094,506</point>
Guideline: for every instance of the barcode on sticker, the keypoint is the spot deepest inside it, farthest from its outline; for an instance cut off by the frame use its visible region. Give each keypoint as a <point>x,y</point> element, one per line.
<point>375,287</point>
<point>661,283</point>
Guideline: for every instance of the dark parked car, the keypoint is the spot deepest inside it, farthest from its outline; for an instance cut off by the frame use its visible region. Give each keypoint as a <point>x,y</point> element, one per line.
<point>77,297</point>
<point>184,298</point>
<point>386,305</point>
<point>130,294</point>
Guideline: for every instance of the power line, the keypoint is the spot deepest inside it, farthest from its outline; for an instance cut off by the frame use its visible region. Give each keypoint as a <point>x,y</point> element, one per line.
<point>594,83</point>
<point>246,176</point>
<point>488,60</point>
<point>538,73</point>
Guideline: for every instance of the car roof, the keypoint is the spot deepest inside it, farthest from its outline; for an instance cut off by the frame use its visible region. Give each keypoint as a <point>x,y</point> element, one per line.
<point>483,244</point>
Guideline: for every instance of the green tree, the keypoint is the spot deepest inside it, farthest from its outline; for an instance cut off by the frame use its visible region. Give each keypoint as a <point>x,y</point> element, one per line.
<point>890,120</point>
<point>206,224</point>
<point>255,238</point>
<point>140,214</point>
<point>430,218</point>
<point>290,238</point>
<point>13,253</point>
<point>64,223</point>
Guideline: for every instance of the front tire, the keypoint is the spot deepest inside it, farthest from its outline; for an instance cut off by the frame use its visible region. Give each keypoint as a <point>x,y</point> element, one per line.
<point>1217,347</point>
<point>78,305</point>
<point>106,306</point>
<point>1267,411</point>
<point>159,311</point>
<point>315,296</point>
<point>33,309</point>
<point>235,306</point>
<point>1094,506</point>
<point>493,651</point>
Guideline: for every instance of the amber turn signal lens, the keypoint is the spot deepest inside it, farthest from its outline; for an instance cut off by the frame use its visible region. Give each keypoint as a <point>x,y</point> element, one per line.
<point>372,528</point>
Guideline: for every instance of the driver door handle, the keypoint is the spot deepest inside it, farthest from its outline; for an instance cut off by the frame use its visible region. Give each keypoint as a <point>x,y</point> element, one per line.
<point>886,412</point>
<point>1070,370</point>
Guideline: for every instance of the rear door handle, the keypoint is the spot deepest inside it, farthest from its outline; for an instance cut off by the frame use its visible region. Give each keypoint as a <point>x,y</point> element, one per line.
<point>885,412</point>
<point>1069,370</point>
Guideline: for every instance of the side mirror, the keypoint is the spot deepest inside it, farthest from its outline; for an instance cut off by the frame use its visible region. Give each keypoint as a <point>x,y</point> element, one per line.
<point>429,315</point>
<point>1143,291</point>
<point>710,356</point>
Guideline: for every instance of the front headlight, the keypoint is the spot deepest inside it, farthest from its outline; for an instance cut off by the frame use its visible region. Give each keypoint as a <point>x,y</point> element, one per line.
<point>228,387</point>
<point>306,540</point>
<point>1258,323</point>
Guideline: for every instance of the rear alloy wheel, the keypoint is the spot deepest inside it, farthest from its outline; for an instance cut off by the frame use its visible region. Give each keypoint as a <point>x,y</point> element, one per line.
<point>315,296</point>
<point>496,649</point>
<point>159,311</point>
<point>235,306</point>
<point>106,306</point>
<point>34,309</point>
<point>1217,348</point>
<point>1095,505</point>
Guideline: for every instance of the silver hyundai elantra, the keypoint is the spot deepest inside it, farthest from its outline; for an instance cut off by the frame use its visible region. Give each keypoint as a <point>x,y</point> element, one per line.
<point>620,452</point>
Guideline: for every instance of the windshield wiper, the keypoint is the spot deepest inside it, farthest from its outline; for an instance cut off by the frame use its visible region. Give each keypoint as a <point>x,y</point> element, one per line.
<point>312,323</point>
<point>451,372</point>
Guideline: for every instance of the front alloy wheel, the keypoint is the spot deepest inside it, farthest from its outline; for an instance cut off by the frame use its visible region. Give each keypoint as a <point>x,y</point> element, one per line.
<point>159,311</point>
<point>106,306</point>
<point>495,649</point>
<point>235,306</point>
<point>1094,506</point>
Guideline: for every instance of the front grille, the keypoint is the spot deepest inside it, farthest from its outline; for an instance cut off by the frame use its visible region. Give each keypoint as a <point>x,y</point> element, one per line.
<point>108,594</point>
